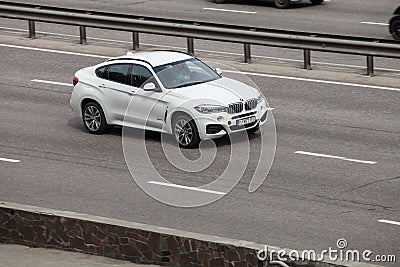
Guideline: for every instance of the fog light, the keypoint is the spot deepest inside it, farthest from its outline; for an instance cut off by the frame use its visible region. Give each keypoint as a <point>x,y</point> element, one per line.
<point>229,122</point>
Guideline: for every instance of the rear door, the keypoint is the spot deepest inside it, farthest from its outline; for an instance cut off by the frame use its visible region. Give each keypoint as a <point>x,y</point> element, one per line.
<point>114,84</point>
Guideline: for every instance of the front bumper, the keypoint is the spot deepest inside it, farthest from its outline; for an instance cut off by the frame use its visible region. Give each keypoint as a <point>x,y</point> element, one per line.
<point>216,125</point>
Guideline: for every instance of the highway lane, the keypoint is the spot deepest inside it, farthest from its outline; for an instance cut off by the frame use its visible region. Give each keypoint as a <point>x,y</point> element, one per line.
<point>306,202</point>
<point>357,18</point>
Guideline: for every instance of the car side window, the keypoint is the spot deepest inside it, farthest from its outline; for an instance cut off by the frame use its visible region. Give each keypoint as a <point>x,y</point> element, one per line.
<point>101,72</point>
<point>141,75</point>
<point>117,73</point>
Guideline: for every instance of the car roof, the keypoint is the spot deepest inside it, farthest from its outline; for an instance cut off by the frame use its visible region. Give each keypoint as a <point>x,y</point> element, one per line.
<point>155,58</point>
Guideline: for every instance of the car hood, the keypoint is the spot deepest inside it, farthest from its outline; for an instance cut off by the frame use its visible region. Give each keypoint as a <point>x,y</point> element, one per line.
<point>223,91</point>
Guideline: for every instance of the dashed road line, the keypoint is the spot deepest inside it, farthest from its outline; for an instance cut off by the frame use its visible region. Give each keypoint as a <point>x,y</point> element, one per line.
<point>51,82</point>
<point>229,10</point>
<point>335,157</point>
<point>188,188</point>
<point>10,160</point>
<point>375,23</point>
<point>389,222</point>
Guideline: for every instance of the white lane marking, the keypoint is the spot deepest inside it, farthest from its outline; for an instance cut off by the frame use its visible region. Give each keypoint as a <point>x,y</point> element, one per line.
<point>188,188</point>
<point>375,23</point>
<point>334,157</point>
<point>315,81</point>
<point>389,222</point>
<point>230,10</point>
<point>10,160</point>
<point>50,82</point>
<point>53,51</point>
<point>202,50</point>
<point>239,72</point>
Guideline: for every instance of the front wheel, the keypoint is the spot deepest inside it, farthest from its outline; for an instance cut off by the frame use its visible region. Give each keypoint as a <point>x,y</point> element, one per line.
<point>185,131</point>
<point>282,3</point>
<point>395,29</point>
<point>316,2</point>
<point>93,118</point>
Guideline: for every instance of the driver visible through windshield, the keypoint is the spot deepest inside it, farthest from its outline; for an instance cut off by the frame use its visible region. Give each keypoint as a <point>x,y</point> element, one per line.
<point>185,73</point>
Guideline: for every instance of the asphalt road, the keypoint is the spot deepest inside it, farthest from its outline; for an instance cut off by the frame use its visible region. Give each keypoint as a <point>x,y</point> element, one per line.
<point>307,202</point>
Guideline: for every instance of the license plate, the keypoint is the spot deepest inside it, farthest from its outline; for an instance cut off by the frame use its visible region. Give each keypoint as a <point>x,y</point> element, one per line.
<point>245,121</point>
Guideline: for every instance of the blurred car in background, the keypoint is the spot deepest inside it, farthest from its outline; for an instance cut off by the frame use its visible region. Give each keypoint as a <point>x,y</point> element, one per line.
<point>278,3</point>
<point>394,24</point>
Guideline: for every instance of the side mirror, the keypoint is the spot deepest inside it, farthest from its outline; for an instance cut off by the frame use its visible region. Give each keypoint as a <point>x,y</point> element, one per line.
<point>218,71</point>
<point>149,87</point>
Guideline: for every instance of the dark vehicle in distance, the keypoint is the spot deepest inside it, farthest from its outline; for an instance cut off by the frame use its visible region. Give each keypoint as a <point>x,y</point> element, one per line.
<point>278,3</point>
<point>394,24</point>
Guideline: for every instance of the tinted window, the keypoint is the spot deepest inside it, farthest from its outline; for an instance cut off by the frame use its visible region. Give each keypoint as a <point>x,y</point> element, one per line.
<point>185,73</point>
<point>117,73</point>
<point>139,75</point>
<point>100,72</point>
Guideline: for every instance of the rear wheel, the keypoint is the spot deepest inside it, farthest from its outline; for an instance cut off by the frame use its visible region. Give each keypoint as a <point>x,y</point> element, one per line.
<point>185,131</point>
<point>93,118</point>
<point>395,29</point>
<point>282,3</point>
<point>316,2</point>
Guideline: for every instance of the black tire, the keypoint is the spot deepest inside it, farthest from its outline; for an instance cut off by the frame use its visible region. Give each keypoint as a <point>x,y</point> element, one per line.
<point>316,2</point>
<point>395,29</point>
<point>220,1</point>
<point>93,118</point>
<point>185,131</point>
<point>282,3</point>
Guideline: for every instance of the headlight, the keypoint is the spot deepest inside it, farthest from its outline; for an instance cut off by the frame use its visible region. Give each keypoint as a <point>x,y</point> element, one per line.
<point>210,108</point>
<point>260,99</point>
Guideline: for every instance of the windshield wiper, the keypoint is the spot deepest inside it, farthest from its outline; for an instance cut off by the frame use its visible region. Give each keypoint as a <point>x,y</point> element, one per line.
<point>189,84</point>
<point>194,83</point>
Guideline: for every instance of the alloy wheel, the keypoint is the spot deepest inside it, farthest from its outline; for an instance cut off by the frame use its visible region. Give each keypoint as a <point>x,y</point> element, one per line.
<point>92,118</point>
<point>183,132</point>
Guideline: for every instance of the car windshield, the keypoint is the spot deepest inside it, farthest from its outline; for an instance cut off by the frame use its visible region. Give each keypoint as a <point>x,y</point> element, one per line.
<point>185,73</point>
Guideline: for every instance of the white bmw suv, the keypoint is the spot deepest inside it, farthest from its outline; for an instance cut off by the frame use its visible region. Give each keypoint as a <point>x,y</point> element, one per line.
<point>165,91</point>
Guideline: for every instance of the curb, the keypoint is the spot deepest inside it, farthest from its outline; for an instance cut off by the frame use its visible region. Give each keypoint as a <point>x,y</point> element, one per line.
<point>139,243</point>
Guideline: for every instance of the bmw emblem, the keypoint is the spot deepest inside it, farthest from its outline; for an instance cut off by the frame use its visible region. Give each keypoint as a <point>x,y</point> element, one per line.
<point>241,99</point>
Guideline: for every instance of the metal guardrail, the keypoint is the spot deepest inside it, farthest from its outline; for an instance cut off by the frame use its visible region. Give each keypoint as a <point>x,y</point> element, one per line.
<point>307,42</point>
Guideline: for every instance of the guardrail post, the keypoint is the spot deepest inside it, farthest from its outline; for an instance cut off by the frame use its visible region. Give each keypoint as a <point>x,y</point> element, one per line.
<point>307,59</point>
<point>247,53</point>
<point>32,31</point>
<point>190,46</point>
<point>82,35</point>
<point>370,65</point>
<point>135,39</point>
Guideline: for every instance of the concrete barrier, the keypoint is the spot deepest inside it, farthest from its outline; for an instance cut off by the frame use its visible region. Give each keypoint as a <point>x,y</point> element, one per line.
<point>140,243</point>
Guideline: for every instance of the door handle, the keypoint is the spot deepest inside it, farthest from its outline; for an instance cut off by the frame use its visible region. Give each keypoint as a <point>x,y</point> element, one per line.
<point>102,86</point>
<point>133,92</point>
